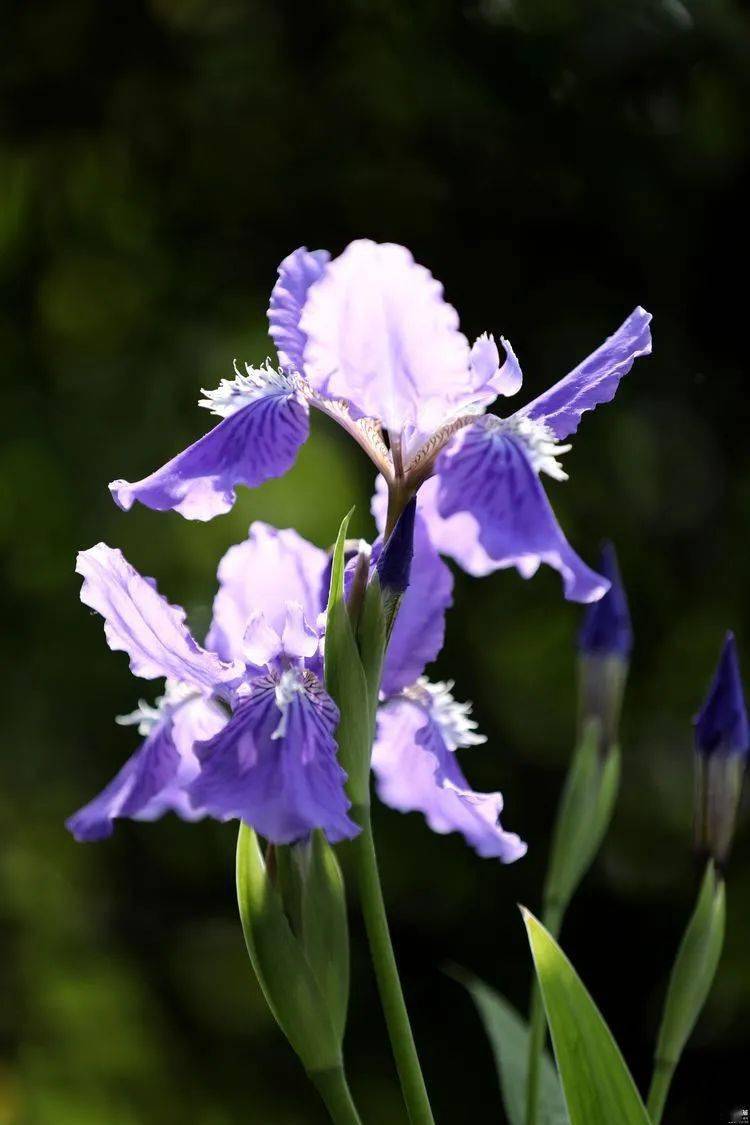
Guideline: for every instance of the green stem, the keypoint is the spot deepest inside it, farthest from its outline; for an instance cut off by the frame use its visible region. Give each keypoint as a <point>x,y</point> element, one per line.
<point>552,916</point>
<point>660,1083</point>
<point>386,972</point>
<point>334,1090</point>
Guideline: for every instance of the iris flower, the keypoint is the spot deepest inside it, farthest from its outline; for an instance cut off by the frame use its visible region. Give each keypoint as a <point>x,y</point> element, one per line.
<point>369,339</point>
<point>245,728</point>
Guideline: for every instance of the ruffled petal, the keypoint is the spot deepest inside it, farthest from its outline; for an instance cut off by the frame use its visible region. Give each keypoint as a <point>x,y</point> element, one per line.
<point>251,445</point>
<point>267,570</point>
<point>297,273</point>
<point>274,763</point>
<point>491,378</point>
<point>595,380</point>
<point>262,644</point>
<point>380,334</point>
<point>417,772</point>
<point>153,780</point>
<point>486,472</point>
<point>299,639</point>
<point>140,622</point>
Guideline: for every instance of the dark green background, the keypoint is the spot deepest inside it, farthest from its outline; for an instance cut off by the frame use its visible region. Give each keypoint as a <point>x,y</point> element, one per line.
<point>554,163</point>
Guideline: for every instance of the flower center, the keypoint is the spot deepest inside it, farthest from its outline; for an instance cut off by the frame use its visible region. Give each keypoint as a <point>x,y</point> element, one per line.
<point>454,720</point>
<point>538,442</point>
<point>232,395</point>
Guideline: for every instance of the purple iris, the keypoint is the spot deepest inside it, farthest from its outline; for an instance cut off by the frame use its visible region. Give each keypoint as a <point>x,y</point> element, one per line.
<point>369,339</point>
<point>245,728</point>
<point>721,726</point>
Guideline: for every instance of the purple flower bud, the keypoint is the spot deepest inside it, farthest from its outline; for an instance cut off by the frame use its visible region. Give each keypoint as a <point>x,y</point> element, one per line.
<point>722,724</point>
<point>722,738</point>
<point>394,564</point>
<point>606,628</point>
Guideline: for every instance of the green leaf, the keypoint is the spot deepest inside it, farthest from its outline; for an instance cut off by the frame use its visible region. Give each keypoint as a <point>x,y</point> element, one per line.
<point>508,1033</point>
<point>346,683</point>
<point>280,963</point>
<point>597,1084</point>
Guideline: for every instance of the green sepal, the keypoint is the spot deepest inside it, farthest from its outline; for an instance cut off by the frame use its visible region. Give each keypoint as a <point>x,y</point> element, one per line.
<point>508,1033</point>
<point>280,962</point>
<point>597,1084</point>
<point>583,816</point>
<point>325,933</point>
<point>694,968</point>
<point>346,682</point>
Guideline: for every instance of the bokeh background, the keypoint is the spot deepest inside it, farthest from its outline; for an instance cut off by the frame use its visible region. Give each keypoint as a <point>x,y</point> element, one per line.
<point>555,162</point>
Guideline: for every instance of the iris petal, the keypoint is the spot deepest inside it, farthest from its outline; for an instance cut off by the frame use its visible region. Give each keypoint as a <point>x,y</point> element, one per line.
<point>416,772</point>
<point>274,764</point>
<point>140,622</point>
<point>153,779</point>
<point>298,271</point>
<point>252,445</point>
<point>262,574</point>
<point>595,380</point>
<point>486,473</point>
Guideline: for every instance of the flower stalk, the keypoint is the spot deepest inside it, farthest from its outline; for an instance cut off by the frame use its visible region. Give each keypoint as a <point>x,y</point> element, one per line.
<point>386,972</point>
<point>353,663</point>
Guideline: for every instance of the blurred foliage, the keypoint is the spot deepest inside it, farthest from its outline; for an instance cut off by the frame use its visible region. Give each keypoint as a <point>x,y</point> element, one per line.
<point>554,162</point>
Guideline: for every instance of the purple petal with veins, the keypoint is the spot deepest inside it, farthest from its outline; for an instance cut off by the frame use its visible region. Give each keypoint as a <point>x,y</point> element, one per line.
<point>153,780</point>
<point>140,622</point>
<point>417,771</point>
<point>265,421</point>
<point>262,574</point>
<point>380,334</point>
<point>487,473</point>
<point>595,380</point>
<point>274,764</point>
<point>297,273</point>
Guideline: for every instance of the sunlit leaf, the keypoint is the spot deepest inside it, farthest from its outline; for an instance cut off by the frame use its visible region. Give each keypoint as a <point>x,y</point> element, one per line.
<point>597,1084</point>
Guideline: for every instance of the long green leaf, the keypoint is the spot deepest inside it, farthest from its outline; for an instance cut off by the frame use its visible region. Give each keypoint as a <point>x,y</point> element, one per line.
<point>597,1084</point>
<point>508,1034</point>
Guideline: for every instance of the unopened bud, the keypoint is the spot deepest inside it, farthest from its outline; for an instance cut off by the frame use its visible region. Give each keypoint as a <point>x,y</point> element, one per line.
<point>293,915</point>
<point>394,563</point>
<point>722,739</point>
<point>604,644</point>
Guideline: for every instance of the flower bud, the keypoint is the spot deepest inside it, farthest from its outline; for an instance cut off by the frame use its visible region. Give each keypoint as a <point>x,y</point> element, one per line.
<point>394,563</point>
<point>293,912</point>
<point>722,739</point>
<point>605,641</point>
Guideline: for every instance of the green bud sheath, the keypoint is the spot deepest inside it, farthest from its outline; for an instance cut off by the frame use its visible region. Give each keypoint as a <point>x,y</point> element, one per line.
<point>325,932</point>
<point>295,996</point>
